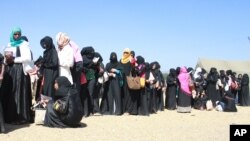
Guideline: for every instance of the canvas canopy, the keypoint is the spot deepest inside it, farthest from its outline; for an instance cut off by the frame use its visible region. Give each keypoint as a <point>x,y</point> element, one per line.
<point>240,67</point>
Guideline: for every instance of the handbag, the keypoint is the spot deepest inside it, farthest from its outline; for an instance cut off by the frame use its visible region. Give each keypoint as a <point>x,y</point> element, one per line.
<point>133,82</point>
<point>83,78</point>
<point>209,105</point>
<point>61,106</point>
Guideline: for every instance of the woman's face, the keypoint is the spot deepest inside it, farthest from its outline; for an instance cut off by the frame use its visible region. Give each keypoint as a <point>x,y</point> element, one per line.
<point>56,86</point>
<point>17,35</point>
<point>60,47</point>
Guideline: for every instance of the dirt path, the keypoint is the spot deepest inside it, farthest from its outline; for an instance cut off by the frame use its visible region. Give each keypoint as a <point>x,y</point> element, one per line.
<point>166,125</point>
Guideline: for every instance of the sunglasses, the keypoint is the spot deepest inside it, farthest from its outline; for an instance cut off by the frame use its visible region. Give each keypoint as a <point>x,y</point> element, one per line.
<point>17,34</point>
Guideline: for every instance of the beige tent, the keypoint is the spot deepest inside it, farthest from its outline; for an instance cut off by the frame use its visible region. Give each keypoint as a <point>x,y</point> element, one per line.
<point>236,66</point>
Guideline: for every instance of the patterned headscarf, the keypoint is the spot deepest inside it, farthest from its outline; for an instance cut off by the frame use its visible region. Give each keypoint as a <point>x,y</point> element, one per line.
<point>62,39</point>
<point>16,42</point>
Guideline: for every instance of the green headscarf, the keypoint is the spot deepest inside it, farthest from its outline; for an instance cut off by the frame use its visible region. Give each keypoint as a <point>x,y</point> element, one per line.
<point>13,42</point>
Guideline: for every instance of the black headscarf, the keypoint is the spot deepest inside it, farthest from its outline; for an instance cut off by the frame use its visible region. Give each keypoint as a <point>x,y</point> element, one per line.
<point>172,72</point>
<point>1,58</point>
<point>113,57</point>
<point>113,61</point>
<point>132,53</point>
<point>50,58</point>
<point>140,60</point>
<point>24,38</point>
<point>178,69</point>
<point>97,54</point>
<point>245,79</point>
<point>229,72</point>
<point>64,86</point>
<point>47,42</point>
<point>89,51</point>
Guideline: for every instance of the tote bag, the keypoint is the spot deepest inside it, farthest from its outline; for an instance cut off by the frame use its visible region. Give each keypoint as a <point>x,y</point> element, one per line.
<point>133,82</point>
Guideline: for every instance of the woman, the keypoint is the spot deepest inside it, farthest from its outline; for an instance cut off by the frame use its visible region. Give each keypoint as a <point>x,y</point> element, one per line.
<point>184,98</point>
<point>130,97</point>
<point>16,88</point>
<point>228,99</point>
<point>212,91</point>
<point>151,90</point>
<point>244,94</point>
<point>141,71</point>
<point>90,68</point>
<point>112,92</point>
<point>73,115</point>
<point>2,128</point>
<point>160,85</point>
<point>171,90</point>
<point>65,55</point>
<point>50,66</point>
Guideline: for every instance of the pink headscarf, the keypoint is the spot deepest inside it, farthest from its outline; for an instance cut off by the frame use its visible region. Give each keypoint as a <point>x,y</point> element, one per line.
<point>184,79</point>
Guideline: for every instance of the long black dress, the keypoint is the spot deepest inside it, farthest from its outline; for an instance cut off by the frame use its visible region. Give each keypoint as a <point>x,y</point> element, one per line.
<point>130,97</point>
<point>170,102</point>
<point>126,69</point>
<point>244,94</point>
<point>212,92</point>
<point>2,128</point>
<point>87,90</point>
<point>229,101</point>
<point>16,91</point>
<point>159,92</point>
<point>74,112</point>
<point>112,92</point>
<point>50,66</point>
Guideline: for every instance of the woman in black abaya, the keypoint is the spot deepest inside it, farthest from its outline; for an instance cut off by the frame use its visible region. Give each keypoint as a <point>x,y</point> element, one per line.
<point>244,94</point>
<point>141,71</point>
<point>170,101</point>
<point>111,102</point>
<point>129,97</point>
<point>212,92</point>
<point>16,87</point>
<point>65,92</point>
<point>2,127</point>
<point>50,66</point>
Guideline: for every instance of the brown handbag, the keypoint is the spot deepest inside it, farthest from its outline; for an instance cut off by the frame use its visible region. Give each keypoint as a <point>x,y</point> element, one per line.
<point>133,82</point>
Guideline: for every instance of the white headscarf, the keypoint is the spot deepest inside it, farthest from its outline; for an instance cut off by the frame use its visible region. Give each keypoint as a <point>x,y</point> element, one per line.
<point>62,39</point>
<point>197,73</point>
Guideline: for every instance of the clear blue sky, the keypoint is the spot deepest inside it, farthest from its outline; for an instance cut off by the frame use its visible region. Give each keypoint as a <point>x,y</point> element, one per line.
<point>172,32</point>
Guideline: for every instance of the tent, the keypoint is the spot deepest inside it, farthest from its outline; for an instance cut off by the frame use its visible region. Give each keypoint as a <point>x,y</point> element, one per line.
<point>240,67</point>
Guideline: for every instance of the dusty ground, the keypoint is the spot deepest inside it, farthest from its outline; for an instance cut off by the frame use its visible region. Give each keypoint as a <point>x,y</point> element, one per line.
<point>166,125</point>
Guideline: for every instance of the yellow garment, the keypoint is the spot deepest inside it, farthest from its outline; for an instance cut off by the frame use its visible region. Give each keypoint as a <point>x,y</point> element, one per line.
<point>142,82</point>
<point>126,57</point>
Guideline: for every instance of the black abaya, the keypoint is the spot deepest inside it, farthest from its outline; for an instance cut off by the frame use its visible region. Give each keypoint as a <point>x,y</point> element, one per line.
<point>244,94</point>
<point>16,90</point>
<point>74,112</point>
<point>50,66</point>
<point>171,93</point>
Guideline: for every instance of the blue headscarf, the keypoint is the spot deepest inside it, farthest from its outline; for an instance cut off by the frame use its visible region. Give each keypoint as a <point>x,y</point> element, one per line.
<point>16,42</point>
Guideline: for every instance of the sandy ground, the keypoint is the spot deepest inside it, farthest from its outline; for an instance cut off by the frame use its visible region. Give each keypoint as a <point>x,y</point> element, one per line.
<point>163,126</point>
